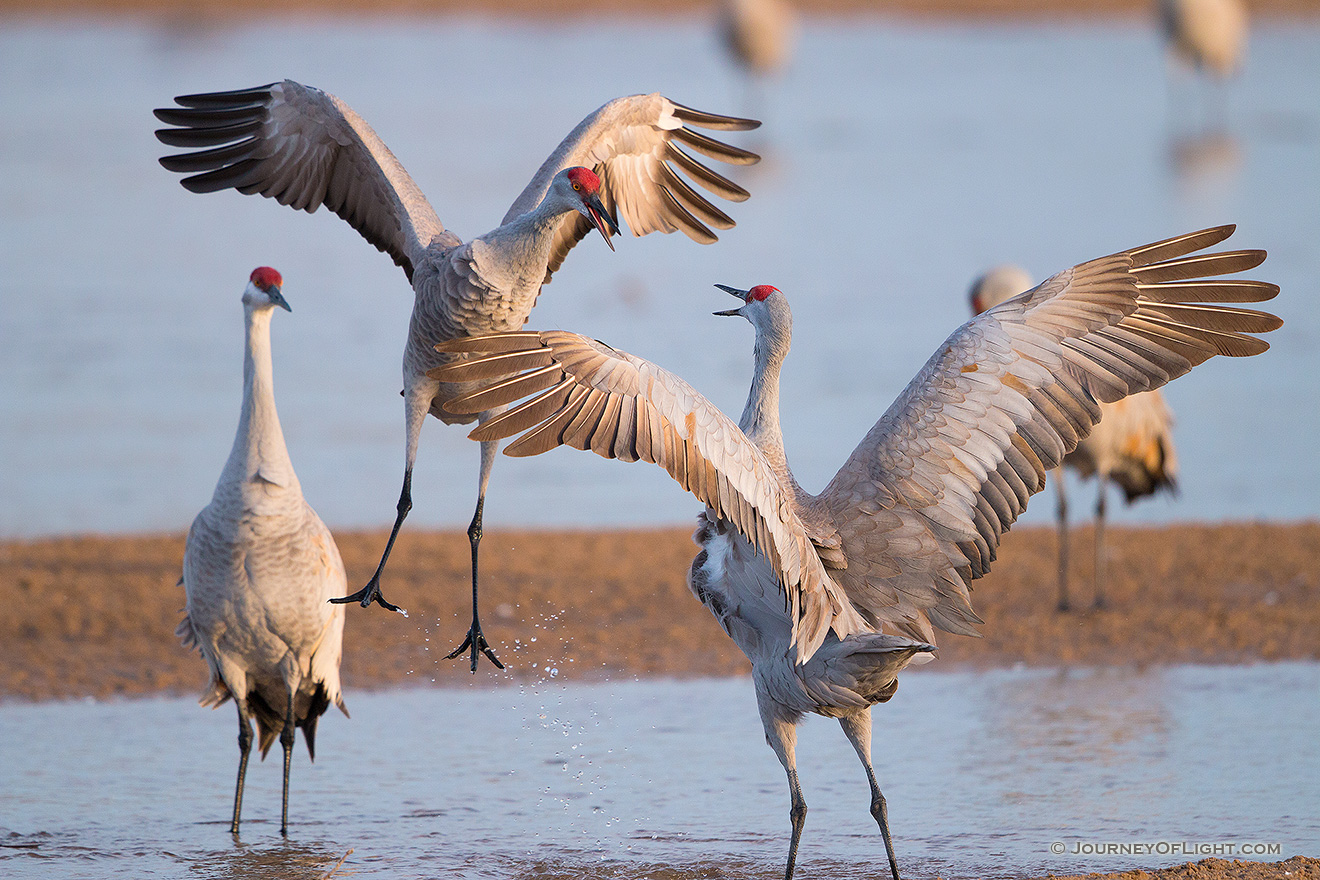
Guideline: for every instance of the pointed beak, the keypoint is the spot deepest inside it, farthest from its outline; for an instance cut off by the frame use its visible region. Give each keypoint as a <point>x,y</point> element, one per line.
<point>278,299</point>
<point>733,291</point>
<point>600,218</point>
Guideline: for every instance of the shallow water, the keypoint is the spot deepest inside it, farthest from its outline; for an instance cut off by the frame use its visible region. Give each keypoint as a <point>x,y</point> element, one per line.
<point>902,160</point>
<point>661,779</point>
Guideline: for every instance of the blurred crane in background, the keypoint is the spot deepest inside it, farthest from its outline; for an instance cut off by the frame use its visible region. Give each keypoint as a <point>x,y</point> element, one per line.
<point>758,34</point>
<point>1210,36</point>
<point>1132,444</point>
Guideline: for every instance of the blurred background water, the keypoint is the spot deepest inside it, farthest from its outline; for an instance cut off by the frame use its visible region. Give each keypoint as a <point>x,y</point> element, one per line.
<point>901,161</point>
<point>661,779</point>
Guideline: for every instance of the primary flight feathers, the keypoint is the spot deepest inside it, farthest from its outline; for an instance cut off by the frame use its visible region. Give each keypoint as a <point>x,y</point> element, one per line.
<point>305,148</point>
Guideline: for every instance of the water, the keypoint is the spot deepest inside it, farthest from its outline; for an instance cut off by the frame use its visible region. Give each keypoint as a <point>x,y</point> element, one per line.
<point>665,779</point>
<point>902,160</point>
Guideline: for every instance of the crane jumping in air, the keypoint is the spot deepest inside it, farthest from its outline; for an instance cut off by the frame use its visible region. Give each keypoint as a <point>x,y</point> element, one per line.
<point>1132,444</point>
<point>306,148</point>
<point>259,568</point>
<point>806,584</point>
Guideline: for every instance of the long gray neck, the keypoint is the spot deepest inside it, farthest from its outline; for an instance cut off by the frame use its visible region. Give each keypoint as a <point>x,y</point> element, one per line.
<point>522,246</point>
<point>259,448</point>
<point>760,417</point>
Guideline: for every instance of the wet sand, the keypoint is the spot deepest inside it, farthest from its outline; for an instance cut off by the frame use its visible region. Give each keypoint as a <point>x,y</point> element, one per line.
<point>95,616</point>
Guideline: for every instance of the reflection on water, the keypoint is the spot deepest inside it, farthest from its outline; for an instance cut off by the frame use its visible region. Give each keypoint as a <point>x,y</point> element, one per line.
<point>671,780</point>
<point>1206,160</point>
<point>902,160</point>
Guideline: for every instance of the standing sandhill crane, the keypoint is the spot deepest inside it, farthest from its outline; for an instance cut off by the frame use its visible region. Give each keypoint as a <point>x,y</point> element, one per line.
<point>758,33</point>
<point>259,568</point>
<point>305,147</point>
<point>805,583</point>
<point>1208,35</point>
<point>1132,444</point>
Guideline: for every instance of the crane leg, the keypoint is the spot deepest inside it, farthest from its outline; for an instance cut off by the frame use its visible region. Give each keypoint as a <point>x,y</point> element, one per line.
<point>475,643</point>
<point>1063,604</point>
<point>781,735</point>
<point>857,728</point>
<point>244,749</point>
<point>286,742</point>
<point>371,592</point>
<point>1099,601</point>
<point>797,814</point>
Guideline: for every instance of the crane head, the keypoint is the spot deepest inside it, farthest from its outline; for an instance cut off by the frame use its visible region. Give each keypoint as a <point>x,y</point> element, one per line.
<point>586,189</point>
<point>755,294</point>
<point>264,288</point>
<point>997,285</point>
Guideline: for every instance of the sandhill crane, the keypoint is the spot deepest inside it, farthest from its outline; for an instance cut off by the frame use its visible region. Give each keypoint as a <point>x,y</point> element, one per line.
<point>305,147</point>
<point>805,583</point>
<point>758,33</point>
<point>1132,444</point>
<point>1207,35</point>
<point>259,568</point>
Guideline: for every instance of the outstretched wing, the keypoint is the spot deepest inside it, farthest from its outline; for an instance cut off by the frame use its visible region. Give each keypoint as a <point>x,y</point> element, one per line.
<point>304,148</point>
<point>590,396</point>
<point>635,145</point>
<point>923,501</point>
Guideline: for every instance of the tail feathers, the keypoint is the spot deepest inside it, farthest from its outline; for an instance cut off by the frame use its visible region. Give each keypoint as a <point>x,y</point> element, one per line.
<point>1149,472</point>
<point>870,663</point>
<point>320,702</point>
<point>216,693</point>
<point>271,722</point>
<point>859,671</point>
<point>185,633</point>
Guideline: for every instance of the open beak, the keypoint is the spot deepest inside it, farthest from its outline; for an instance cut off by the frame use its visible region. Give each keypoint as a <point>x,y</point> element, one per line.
<point>601,219</point>
<point>278,299</point>
<point>741,294</point>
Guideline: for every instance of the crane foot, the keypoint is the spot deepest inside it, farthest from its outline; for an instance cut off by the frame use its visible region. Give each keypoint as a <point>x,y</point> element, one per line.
<point>477,642</point>
<point>368,594</point>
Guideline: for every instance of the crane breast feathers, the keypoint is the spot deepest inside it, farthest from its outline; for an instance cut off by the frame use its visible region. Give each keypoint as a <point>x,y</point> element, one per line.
<point>304,148</point>
<point>635,146</point>
<point>588,396</point>
<point>1006,397</point>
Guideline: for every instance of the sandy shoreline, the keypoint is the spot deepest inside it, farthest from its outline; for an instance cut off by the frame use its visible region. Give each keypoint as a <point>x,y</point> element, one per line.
<point>95,616</point>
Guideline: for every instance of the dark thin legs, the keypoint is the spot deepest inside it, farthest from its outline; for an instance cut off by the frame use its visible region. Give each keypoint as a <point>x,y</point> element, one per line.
<point>880,812</point>
<point>1099,601</point>
<point>857,728</point>
<point>797,814</point>
<point>244,749</point>
<point>1064,605</point>
<point>475,642</point>
<point>371,592</point>
<point>286,740</point>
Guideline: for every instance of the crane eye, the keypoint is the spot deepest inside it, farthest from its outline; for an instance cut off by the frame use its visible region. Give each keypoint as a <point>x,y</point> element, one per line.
<point>577,187</point>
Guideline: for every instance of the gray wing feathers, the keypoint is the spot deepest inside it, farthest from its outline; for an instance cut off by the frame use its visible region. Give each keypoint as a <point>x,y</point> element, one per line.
<point>633,143</point>
<point>619,406</point>
<point>923,501</point>
<point>304,148</point>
